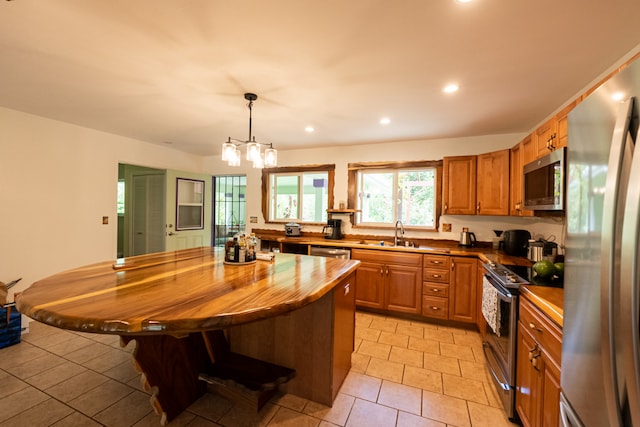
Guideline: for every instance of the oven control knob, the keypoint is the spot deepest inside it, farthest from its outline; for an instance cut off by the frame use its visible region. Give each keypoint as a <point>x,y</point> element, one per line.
<point>512,278</point>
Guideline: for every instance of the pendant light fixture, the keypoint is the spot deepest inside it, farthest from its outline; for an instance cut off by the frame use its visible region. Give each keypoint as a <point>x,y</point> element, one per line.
<point>231,149</point>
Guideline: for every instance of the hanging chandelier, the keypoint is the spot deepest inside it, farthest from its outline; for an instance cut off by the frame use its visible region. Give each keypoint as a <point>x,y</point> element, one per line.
<point>231,149</point>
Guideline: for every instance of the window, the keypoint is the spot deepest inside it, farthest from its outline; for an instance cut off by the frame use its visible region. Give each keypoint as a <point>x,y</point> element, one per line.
<point>300,194</point>
<point>120,200</point>
<point>230,206</point>
<point>384,193</point>
<point>189,204</point>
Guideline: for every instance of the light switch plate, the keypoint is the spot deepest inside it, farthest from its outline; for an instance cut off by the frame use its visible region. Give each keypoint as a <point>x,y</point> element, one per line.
<point>446,227</point>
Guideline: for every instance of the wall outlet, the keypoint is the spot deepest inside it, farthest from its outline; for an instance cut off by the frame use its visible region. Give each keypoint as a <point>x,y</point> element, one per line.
<point>253,219</point>
<point>446,227</point>
<point>105,220</point>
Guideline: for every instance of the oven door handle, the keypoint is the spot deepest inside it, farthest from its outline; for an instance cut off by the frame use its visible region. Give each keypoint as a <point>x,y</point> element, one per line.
<point>492,364</point>
<point>506,297</point>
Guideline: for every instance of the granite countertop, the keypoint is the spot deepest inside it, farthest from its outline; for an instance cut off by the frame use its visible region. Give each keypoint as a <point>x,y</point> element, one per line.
<point>549,300</point>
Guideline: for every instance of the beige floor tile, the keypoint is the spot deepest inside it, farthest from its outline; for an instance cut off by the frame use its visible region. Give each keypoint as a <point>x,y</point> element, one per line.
<point>406,356</point>
<point>464,388</point>
<point>427,346</point>
<point>416,331</point>
<point>423,378</point>
<point>288,418</point>
<point>410,420</point>
<point>211,406</point>
<point>492,395</point>
<point>186,418</point>
<point>126,411</point>
<point>401,397</point>
<point>385,369</point>
<point>123,372</point>
<point>439,335</point>
<point>10,385</point>
<point>99,398</point>
<point>374,349</point>
<point>474,370</point>
<point>361,386</point>
<point>463,352</point>
<point>88,352</point>
<point>43,414</point>
<point>76,420</point>
<point>19,354</point>
<point>445,409</point>
<point>56,375</point>
<point>77,385</point>
<point>384,325</point>
<point>359,362</point>
<point>436,362</point>
<point>367,334</point>
<point>486,416</point>
<point>290,401</point>
<point>69,346</point>
<point>336,414</point>
<point>356,343</point>
<point>368,414</point>
<point>35,366</point>
<point>108,360</point>
<point>397,340</point>
<point>19,401</point>
<point>470,338</point>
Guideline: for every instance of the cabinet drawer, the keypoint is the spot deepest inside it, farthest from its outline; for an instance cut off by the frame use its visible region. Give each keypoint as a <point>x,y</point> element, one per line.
<point>438,276</point>
<point>544,331</point>
<point>435,289</point>
<point>437,261</point>
<point>435,307</point>
<point>386,257</point>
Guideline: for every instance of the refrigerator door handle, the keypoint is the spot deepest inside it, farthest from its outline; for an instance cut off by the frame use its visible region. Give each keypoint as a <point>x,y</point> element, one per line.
<point>620,157</point>
<point>629,292</point>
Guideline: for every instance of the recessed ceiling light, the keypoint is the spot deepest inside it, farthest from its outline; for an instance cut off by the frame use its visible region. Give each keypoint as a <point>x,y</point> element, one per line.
<point>464,1</point>
<point>618,96</point>
<point>385,121</point>
<point>451,88</point>
<point>309,129</point>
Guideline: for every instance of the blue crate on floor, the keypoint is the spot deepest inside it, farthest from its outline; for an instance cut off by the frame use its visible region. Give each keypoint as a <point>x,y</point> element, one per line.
<point>10,325</point>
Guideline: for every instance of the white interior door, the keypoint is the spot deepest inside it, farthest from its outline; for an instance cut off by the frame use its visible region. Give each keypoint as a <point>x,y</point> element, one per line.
<point>148,214</point>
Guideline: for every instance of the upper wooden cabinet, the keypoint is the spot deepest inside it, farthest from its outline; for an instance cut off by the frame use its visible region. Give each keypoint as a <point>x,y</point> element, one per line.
<point>519,158</point>
<point>492,184</point>
<point>553,134</point>
<point>476,184</point>
<point>459,185</point>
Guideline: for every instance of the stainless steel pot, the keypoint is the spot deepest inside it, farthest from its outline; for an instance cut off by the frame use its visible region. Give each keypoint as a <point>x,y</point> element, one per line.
<point>292,229</point>
<point>535,250</point>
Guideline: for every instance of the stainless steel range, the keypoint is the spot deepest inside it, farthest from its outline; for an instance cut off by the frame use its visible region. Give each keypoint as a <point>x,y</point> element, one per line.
<point>500,291</point>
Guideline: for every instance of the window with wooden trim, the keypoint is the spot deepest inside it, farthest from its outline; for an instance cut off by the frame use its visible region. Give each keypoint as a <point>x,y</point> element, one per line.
<point>299,194</point>
<point>386,192</point>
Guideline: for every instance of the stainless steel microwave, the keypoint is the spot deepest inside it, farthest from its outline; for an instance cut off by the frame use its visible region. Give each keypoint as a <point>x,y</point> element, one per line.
<point>544,182</point>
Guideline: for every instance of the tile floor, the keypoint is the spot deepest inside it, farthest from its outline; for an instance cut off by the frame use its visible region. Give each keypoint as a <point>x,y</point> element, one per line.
<point>404,373</point>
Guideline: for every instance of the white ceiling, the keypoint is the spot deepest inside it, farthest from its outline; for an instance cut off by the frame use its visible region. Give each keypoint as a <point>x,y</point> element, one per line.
<point>176,70</point>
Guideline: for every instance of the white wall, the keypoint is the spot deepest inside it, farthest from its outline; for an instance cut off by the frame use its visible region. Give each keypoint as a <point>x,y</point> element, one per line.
<point>435,149</point>
<point>57,181</point>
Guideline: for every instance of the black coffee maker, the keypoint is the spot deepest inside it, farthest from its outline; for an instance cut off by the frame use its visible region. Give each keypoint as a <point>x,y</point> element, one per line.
<point>333,229</point>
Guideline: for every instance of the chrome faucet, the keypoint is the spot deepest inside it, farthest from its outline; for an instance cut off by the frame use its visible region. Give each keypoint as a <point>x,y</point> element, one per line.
<point>397,239</point>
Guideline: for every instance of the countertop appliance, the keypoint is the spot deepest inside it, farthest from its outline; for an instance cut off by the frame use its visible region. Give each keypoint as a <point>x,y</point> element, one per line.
<point>333,229</point>
<point>292,229</point>
<point>544,182</point>
<point>467,238</point>
<point>516,242</point>
<point>599,378</point>
<point>500,293</point>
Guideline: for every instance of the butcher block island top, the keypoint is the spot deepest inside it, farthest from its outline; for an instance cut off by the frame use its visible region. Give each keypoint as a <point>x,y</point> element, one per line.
<point>179,292</point>
<point>202,324</point>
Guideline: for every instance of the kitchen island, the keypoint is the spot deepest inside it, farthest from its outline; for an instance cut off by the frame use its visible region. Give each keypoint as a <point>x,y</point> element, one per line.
<point>194,317</point>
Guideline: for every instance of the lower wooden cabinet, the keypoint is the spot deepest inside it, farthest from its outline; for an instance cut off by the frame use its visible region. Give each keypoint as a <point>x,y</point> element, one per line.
<point>538,368</point>
<point>463,289</point>
<point>389,280</point>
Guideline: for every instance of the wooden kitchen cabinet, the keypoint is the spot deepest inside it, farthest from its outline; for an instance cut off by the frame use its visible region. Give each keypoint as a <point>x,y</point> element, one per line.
<point>389,280</point>
<point>459,185</point>
<point>492,184</point>
<point>449,290</point>
<point>538,367</point>
<point>476,184</point>
<point>553,134</point>
<point>521,154</point>
<point>463,289</point>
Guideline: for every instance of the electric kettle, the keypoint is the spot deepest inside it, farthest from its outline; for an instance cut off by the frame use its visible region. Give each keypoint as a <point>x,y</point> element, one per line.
<point>467,238</point>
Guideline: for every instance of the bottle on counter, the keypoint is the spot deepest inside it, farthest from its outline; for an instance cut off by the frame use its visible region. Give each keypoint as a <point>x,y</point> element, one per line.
<point>228,250</point>
<point>236,250</point>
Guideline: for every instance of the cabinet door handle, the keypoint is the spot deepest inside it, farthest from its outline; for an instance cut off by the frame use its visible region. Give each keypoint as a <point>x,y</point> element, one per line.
<point>435,308</point>
<point>436,276</point>
<point>435,262</point>
<point>453,265</point>
<point>435,290</point>
<point>478,207</point>
<point>387,270</point>
<point>534,327</point>
<point>381,270</point>
<point>347,288</point>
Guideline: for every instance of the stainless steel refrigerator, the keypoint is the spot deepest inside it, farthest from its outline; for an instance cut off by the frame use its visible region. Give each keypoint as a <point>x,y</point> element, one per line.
<point>600,360</point>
